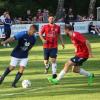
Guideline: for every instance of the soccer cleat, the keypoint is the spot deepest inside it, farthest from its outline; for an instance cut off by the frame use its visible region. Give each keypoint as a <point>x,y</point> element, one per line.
<point>1,80</point>
<point>14,86</point>
<point>90,79</point>
<point>50,79</point>
<point>53,81</point>
<point>54,76</point>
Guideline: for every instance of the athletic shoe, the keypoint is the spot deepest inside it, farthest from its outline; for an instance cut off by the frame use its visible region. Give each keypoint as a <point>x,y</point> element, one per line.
<point>53,81</point>
<point>54,76</point>
<point>14,86</point>
<point>90,79</point>
<point>50,79</point>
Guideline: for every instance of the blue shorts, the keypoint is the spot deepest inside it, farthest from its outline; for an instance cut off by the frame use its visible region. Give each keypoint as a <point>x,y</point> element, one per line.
<point>78,61</point>
<point>52,53</point>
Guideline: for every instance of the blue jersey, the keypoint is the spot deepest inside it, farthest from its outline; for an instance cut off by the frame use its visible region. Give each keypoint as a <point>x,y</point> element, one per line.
<point>7,24</point>
<point>25,43</point>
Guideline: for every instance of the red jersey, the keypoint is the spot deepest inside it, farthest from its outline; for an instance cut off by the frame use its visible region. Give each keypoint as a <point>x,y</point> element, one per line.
<point>79,42</point>
<point>51,34</point>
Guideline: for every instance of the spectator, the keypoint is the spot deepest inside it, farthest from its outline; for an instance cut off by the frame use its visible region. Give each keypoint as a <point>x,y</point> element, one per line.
<point>34,19</point>
<point>93,29</point>
<point>91,17</point>
<point>70,15</point>
<point>7,28</point>
<point>29,15</point>
<point>45,15</point>
<point>39,15</point>
<point>2,17</point>
<point>18,20</point>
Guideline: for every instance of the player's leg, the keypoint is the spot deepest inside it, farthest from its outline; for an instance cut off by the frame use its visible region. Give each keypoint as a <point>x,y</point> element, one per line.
<point>81,71</point>
<point>53,55</point>
<point>47,66</point>
<point>23,63</point>
<point>46,60</point>
<point>12,66</point>
<point>63,72</point>
<point>54,67</point>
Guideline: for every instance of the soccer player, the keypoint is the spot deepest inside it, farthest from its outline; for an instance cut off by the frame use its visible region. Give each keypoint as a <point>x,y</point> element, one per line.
<point>49,35</point>
<point>82,53</point>
<point>26,40</point>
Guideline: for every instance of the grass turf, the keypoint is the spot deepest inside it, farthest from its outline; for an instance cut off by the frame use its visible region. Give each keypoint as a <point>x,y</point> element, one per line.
<point>71,87</point>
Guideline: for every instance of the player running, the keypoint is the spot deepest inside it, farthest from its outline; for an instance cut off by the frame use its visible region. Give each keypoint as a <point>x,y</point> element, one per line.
<point>49,35</point>
<point>26,40</point>
<point>82,53</point>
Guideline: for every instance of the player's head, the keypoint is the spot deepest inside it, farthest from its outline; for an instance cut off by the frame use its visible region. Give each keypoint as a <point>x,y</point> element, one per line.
<point>68,29</point>
<point>32,29</point>
<point>51,19</point>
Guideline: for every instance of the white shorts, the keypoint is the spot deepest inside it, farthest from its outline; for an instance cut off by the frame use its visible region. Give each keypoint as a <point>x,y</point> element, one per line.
<point>16,61</point>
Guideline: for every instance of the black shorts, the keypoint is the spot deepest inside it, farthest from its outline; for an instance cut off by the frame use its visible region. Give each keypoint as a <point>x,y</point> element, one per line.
<point>52,53</point>
<point>78,61</point>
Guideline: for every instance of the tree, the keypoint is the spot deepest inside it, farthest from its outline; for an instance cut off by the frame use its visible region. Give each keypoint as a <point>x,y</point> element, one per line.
<point>59,13</point>
<point>91,7</point>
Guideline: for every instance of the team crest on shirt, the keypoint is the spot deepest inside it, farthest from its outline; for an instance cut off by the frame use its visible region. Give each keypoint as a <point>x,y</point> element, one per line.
<point>26,45</point>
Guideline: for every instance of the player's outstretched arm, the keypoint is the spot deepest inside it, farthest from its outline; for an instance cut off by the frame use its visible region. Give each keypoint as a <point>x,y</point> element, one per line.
<point>89,48</point>
<point>8,40</point>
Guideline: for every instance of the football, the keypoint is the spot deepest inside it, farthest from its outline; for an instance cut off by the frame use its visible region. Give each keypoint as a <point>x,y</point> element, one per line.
<point>26,84</point>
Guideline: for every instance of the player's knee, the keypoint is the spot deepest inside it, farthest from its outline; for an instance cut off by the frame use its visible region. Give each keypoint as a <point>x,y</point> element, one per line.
<point>46,61</point>
<point>53,60</point>
<point>21,69</point>
<point>11,68</point>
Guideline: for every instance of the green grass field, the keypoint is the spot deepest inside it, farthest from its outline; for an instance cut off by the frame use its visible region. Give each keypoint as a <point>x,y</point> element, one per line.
<point>71,87</point>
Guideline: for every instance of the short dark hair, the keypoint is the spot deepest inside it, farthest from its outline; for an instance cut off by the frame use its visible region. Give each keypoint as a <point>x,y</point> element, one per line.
<point>69,27</point>
<point>35,26</point>
<point>51,15</point>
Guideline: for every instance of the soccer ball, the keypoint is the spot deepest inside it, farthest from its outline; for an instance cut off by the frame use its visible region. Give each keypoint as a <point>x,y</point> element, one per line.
<point>26,84</point>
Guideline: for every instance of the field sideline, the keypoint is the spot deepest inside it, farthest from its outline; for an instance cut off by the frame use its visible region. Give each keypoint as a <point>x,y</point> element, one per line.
<point>72,87</point>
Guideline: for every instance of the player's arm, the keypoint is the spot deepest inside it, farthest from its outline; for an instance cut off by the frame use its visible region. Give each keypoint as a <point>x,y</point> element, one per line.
<point>42,38</point>
<point>16,36</point>
<point>62,42</point>
<point>8,40</point>
<point>41,34</point>
<point>61,39</point>
<point>89,48</point>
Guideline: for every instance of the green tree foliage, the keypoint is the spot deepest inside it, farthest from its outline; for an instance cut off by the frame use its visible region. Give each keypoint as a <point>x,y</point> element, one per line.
<point>19,7</point>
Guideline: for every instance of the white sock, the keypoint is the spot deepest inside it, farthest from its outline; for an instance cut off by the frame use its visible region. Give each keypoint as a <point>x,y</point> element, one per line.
<point>83,72</point>
<point>54,68</point>
<point>61,75</point>
<point>46,66</point>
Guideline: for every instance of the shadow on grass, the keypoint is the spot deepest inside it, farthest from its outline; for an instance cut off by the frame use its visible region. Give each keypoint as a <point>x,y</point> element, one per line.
<point>68,86</point>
